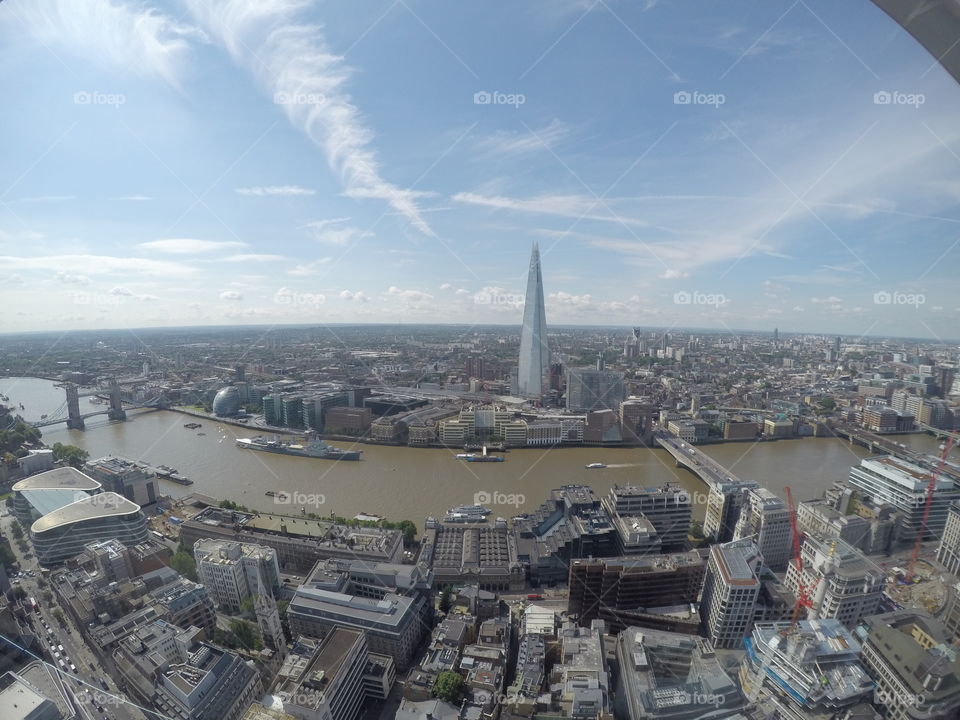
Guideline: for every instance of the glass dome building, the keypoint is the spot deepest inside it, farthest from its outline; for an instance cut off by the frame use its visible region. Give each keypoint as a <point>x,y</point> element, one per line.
<point>227,402</point>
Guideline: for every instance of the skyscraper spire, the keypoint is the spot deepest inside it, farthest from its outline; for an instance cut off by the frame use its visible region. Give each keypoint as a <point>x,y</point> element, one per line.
<point>534,353</point>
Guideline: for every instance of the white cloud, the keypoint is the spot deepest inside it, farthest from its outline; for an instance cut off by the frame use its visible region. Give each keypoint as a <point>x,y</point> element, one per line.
<point>462,292</point>
<point>583,207</point>
<point>568,300</point>
<point>189,246</point>
<point>96,265</point>
<point>359,296</point>
<point>71,279</point>
<point>339,235</point>
<point>674,274</point>
<point>412,296</point>
<point>122,291</point>
<point>833,299</point>
<point>275,191</point>
<point>309,83</point>
<point>311,268</point>
<point>133,38</point>
<point>231,295</point>
<point>253,258</point>
<point>446,286</point>
<point>506,142</point>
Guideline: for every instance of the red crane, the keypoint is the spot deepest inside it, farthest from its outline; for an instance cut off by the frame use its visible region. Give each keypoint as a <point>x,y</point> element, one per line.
<point>931,487</point>
<point>804,593</point>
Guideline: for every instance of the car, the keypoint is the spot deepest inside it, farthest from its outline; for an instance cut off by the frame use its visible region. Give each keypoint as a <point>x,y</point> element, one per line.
<point>56,655</point>
<point>100,708</point>
<point>73,669</point>
<point>60,648</point>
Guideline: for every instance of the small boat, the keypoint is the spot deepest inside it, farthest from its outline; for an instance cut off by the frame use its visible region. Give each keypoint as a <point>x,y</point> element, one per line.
<point>471,458</point>
<point>595,466</point>
<point>464,456</point>
<point>199,434</point>
<point>43,417</point>
<point>467,514</point>
<point>192,425</point>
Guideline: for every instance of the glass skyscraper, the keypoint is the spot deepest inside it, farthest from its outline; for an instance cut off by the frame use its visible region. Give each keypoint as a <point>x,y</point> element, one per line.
<point>534,353</point>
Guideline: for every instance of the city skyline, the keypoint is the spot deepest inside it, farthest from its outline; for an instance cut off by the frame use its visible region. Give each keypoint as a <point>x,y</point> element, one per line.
<point>766,167</point>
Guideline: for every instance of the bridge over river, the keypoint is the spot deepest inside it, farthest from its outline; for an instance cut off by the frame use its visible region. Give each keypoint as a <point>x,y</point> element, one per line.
<point>698,462</point>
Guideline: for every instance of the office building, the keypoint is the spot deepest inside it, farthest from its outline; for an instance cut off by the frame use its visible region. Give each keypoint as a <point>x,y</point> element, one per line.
<point>299,541</point>
<point>590,389</point>
<point>667,508</point>
<point>333,679</point>
<point>636,421</point>
<point>580,681</point>
<point>534,351</point>
<point>914,664</point>
<point>725,502</point>
<point>766,520</point>
<point>673,676</point>
<point>904,485</point>
<point>844,585</point>
<point>813,668</point>
<point>212,683</point>
<point>485,555</point>
<point>233,571</point>
<point>334,595</point>
<point>622,589</point>
<point>124,477</point>
<point>948,551</point>
<point>730,590</point>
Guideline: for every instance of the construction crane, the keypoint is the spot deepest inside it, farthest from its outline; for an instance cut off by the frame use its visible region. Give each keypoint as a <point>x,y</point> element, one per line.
<point>804,593</point>
<point>931,487</point>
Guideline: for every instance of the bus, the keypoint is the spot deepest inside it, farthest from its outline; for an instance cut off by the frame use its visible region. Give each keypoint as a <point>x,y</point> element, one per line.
<point>534,597</point>
<point>32,605</point>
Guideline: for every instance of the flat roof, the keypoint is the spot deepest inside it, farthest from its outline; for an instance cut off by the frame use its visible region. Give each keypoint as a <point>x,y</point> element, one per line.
<point>47,501</point>
<point>64,477</point>
<point>103,505</point>
<point>18,699</point>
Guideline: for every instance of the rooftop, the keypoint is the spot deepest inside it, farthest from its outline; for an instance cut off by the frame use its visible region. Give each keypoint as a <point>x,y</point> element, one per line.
<point>103,505</point>
<point>64,477</point>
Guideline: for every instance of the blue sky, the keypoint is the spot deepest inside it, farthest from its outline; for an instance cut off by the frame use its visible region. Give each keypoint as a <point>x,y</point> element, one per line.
<point>709,164</point>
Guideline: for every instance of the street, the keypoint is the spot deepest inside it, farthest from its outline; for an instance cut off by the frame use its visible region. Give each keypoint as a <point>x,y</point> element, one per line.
<point>86,685</point>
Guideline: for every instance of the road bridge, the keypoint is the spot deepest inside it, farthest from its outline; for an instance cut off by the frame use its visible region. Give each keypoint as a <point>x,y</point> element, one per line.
<point>696,461</point>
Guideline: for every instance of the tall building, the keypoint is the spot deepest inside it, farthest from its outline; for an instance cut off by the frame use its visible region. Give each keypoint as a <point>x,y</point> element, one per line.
<point>724,505</point>
<point>673,676</point>
<point>730,590</point>
<point>534,352</point>
<point>591,389</point>
<point>235,571</point>
<point>845,585</point>
<point>904,485</point>
<point>914,664</point>
<point>948,551</point>
<point>667,508</point>
<point>767,520</point>
<point>812,669</point>
<point>621,590</point>
<point>581,675</point>
<point>836,345</point>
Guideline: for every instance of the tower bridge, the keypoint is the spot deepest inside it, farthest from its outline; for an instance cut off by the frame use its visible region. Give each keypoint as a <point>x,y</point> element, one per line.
<point>71,414</point>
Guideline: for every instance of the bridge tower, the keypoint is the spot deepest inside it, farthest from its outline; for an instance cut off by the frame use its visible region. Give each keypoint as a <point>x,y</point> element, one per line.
<point>74,418</point>
<point>116,411</point>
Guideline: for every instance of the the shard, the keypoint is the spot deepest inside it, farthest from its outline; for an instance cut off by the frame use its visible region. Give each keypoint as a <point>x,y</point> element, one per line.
<point>534,353</point>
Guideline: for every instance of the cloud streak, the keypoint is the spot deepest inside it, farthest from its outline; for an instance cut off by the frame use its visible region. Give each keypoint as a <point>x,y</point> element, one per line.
<point>292,62</point>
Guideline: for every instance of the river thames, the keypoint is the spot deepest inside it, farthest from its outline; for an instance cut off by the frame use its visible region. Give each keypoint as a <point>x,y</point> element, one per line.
<point>411,483</point>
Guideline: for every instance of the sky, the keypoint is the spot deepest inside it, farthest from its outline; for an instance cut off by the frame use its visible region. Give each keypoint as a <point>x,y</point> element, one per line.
<point>714,164</point>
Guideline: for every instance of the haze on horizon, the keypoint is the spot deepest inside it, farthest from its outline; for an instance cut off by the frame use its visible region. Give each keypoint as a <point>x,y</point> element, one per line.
<point>234,162</point>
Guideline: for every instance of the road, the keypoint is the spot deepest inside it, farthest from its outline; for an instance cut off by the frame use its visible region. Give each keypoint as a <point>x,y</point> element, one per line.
<point>90,672</point>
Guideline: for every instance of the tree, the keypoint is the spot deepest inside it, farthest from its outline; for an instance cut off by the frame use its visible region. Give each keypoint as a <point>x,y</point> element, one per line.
<point>17,530</point>
<point>70,454</point>
<point>246,637</point>
<point>445,599</point>
<point>58,615</point>
<point>184,564</point>
<point>19,593</point>
<point>448,687</point>
<point>409,530</point>
<point>247,607</point>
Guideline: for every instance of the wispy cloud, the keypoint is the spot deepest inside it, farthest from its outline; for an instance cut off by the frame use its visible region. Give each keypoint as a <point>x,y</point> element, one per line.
<point>310,268</point>
<point>189,246</point>
<point>275,191</point>
<point>132,37</point>
<point>582,207</point>
<point>83,265</point>
<point>291,60</point>
<point>253,258</point>
<point>508,142</point>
